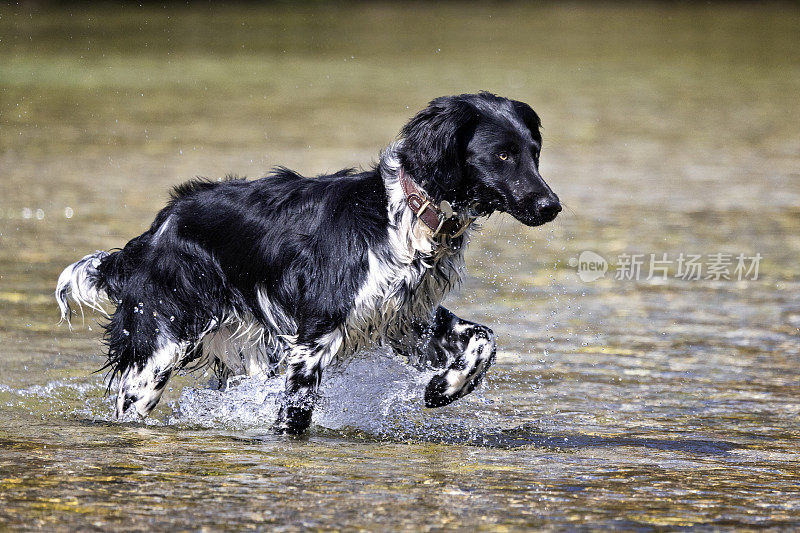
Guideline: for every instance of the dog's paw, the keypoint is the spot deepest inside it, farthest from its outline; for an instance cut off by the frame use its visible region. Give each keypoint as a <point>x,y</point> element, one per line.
<point>436,392</point>
<point>293,420</point>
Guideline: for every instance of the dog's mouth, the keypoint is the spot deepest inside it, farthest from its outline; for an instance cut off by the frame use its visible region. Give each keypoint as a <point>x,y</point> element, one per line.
<point>545,210</point>
<point>538,217</point>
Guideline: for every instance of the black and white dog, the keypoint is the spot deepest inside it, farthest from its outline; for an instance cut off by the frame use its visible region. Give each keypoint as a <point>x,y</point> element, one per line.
<point>250,275</point>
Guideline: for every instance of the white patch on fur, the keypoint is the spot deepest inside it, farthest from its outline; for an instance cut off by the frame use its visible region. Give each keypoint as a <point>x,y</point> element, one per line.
<point>476,354</point>
<point>319,355</point>
<point>461,327</point>
<point>141,385</point>
<point>74,283</point>
<point>241,349</point>
<point>328,347</point>
<point>278,320</point>
<point>245,346</point>
<point>157,235</point>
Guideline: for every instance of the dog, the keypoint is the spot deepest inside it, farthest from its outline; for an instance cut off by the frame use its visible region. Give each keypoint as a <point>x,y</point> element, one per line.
<point>288,271</point>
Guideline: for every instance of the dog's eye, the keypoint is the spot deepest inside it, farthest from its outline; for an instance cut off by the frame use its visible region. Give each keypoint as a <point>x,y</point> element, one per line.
<point>503,155</point>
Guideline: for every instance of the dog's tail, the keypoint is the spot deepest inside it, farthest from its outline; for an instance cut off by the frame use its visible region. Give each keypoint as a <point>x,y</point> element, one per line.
<point>82,283</point>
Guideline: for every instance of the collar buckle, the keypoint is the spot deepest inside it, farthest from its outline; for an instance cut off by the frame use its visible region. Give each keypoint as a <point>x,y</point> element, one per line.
<point>441,220</point>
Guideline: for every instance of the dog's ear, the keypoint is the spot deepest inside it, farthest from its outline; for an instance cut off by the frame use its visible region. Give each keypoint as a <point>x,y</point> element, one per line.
<point>434,142</point>
<point>529,118</point>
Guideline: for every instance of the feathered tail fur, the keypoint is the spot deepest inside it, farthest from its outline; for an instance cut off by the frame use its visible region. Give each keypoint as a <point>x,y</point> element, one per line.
<point>82,284</point>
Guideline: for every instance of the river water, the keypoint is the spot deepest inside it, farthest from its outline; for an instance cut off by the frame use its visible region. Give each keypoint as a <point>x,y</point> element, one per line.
<point>657,398</point>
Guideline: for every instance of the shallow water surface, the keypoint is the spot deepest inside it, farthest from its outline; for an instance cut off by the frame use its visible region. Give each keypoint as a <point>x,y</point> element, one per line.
<point>657,402</point>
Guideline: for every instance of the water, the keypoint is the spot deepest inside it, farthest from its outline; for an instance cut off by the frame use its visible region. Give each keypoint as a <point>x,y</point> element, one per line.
<point>636,404</point>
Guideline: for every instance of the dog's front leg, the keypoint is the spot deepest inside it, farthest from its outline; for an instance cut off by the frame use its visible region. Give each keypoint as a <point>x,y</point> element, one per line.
<point>305,363</point>
<point>468,349</point>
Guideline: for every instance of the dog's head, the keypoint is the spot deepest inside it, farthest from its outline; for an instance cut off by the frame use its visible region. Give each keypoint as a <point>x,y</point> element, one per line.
<point>481,151</point>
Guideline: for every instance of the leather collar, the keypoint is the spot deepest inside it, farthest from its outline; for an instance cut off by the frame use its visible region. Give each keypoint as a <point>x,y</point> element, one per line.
<point>433,216</point>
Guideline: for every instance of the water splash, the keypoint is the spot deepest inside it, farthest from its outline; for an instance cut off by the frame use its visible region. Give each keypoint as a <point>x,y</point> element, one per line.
<point>374,395</point>
<point>374,392</point>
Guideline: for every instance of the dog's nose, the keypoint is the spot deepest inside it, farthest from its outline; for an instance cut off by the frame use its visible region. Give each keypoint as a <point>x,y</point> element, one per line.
<point>548,207</point>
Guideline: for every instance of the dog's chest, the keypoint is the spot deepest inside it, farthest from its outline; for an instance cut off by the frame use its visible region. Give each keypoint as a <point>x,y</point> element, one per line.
<point>395,294</point>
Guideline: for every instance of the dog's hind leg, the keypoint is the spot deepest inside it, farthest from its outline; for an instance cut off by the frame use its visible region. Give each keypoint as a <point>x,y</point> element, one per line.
<point>141,386</point>
<point>145,346</point>
<point>305,363</point>
<point>465,348</point>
